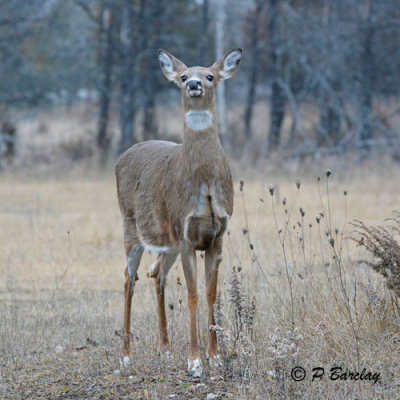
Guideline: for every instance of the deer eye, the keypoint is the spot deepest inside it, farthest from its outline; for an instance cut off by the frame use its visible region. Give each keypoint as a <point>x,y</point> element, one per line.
<point>210,77</point>
<point>183,78</point>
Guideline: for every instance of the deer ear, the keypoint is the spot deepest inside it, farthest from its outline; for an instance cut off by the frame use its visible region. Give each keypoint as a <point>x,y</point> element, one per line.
<point>170,65</point>
<point>228,64</point>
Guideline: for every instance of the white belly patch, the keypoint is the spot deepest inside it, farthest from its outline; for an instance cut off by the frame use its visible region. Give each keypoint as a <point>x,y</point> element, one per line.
<point>199,120</point>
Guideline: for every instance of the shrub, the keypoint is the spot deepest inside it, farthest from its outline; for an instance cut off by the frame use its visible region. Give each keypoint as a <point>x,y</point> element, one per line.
<point>384,245</point>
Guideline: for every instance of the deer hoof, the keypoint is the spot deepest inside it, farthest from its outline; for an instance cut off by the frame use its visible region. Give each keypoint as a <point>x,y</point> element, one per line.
<point>215,361</point>
<point>126,362</point>
<point>165,355</point>
<point>195,368</point>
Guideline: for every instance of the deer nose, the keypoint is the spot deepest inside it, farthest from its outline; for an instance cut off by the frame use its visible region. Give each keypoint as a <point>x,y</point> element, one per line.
<point>194,84</point>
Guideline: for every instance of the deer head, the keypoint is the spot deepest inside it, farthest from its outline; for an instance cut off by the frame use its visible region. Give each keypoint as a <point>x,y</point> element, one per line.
<point>198,84</point>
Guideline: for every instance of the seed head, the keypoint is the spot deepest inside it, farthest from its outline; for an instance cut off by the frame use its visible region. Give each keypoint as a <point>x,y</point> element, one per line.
<point>332,241</point>
<point>328,173</point>
<point>318,179</point>
<point>298,183</point>
<point>318,219</point>
<point>302,212</point>
<point>271,190</point>
<point>241,185</point>
<point>284,201</point>
<point>345,192</point>
<point>244,230</point>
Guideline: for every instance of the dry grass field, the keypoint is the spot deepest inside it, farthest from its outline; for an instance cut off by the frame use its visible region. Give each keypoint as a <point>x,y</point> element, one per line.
<point>290,294</point>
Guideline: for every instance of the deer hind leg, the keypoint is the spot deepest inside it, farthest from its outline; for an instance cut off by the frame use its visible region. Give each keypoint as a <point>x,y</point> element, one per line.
<point>159,271</point>
<point>134,251</point>
<point>212,260</point>
<point>188,256</point>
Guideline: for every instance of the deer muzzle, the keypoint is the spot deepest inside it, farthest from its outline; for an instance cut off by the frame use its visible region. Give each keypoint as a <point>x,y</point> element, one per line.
<point>195,87</point>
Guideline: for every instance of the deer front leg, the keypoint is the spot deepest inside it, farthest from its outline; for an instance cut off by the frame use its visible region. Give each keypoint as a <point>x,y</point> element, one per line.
<point>188,256</point>
<point>212,260</point>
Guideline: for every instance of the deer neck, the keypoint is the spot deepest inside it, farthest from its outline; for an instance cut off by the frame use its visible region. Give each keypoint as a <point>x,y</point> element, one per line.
<point>201,149</point>
<point>200,127</point>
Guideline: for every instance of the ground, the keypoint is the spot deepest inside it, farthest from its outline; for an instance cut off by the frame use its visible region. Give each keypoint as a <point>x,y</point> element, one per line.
<point>288,295</point>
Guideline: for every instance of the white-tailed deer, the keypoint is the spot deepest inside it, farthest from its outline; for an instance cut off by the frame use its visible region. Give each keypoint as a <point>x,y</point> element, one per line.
<point>176,199</point>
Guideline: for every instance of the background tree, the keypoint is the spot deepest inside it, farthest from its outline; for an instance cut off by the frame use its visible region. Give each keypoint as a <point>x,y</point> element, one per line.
<point>220,20</point>
<point>128,74</point>
<point>155,27</point>
<point>107,34</point>
<point>254,50</point>
<point>327,68</point>
<point>277,109</point>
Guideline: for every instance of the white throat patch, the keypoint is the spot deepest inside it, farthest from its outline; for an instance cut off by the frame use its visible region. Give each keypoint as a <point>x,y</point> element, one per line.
<point>199,120</point>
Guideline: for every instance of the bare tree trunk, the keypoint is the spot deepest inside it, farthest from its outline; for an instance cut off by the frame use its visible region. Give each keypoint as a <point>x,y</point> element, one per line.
<point>368,33</point>
<point>277,110</point>
<point>255,57</point>
<point>329,132</point>
<point>8,136</point>
<point>103,140</point>
<point>128,78</point>
<point>149,92</point>
<point>204,31</point>
<point>220,19</point>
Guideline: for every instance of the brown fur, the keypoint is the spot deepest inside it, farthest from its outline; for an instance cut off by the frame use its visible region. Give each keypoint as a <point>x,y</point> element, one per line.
<point>179,196</point>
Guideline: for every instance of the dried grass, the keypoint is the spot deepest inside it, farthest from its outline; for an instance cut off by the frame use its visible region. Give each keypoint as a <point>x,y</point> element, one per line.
<point>292,293</point>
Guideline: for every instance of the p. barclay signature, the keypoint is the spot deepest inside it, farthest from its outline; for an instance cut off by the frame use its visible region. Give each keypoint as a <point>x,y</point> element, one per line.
<point>298,374</point>
<point>338,373</point>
